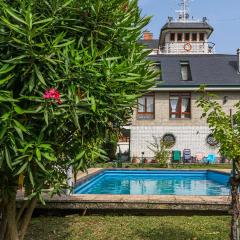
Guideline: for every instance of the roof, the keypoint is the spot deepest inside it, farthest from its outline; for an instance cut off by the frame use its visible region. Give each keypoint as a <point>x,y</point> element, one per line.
<point>150,44</point>
<point>212,70</point>
<point>187,25</point>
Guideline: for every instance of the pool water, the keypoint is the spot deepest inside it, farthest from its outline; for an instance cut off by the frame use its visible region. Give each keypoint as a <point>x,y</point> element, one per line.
<point>157,182</point>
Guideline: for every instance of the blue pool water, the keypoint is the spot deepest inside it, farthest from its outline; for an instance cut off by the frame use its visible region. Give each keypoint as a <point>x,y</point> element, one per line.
<point>156,182</point>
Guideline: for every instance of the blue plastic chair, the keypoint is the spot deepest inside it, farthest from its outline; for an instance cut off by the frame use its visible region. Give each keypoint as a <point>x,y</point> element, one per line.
<point>211,158</point>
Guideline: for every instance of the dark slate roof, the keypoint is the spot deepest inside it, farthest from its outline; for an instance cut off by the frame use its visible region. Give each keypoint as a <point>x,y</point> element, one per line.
<point>217,70</point>
<point>150,44</point>
<point>187,25</point>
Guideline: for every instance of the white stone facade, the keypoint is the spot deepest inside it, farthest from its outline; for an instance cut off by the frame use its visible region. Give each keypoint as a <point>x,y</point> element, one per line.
<point>187,137</point>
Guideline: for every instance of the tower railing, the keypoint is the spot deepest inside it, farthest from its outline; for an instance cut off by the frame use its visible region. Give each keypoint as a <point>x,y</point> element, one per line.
<point>187,48</point>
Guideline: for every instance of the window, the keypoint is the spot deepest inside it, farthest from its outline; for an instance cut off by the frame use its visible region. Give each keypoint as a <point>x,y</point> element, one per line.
<point>172,37</point>
<point>146,107</point>
<point>159,69</point>
<point>211,140</point>
<point>194,37</point>
<point>179,37</point>
<point>180,106</point>
<point>187,36</point>
<point>201,36</point>
<point>186,71</point>
<point>169,139</point>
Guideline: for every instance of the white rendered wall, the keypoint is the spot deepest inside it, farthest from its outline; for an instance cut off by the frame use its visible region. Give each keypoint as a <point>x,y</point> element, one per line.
<point>189,137</point>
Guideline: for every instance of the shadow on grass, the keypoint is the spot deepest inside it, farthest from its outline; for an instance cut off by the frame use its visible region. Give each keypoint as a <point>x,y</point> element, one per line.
<point>175,233</point>
<point>129,228</point>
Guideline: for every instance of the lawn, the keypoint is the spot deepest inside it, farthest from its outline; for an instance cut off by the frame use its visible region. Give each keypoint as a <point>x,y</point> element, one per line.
<point>129,227</point>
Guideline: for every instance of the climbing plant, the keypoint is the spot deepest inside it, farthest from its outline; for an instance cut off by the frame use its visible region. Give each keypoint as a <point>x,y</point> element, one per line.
<point>225,127</point>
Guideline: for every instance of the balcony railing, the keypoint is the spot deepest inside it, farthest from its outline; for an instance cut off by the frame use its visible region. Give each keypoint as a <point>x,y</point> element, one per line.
<point>188,48</point>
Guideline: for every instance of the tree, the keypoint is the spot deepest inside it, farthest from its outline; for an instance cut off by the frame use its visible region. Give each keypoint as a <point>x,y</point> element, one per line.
<point>70,70</point>
<point>226,130</point>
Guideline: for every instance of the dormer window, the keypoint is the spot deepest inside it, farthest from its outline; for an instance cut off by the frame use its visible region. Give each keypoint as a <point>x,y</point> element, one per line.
<point>158,68</point>
<point>172,37</point>
<point>185,71</point>
<point>187,36</point>
<point>201,37</point>
<point>179,37</point>
<point>194,37</point>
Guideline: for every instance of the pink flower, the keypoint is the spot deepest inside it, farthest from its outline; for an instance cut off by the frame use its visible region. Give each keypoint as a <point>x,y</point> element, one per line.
<point>52,94</point>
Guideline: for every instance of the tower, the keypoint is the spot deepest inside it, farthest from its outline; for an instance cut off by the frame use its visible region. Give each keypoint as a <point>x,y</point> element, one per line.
<point>185,35</point>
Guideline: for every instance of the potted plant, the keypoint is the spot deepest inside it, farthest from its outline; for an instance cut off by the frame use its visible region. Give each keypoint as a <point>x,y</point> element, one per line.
<point>161,151</point>
<point>134,159</point>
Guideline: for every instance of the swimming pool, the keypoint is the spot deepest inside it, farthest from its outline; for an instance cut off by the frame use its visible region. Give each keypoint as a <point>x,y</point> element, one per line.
<point>157,182</point>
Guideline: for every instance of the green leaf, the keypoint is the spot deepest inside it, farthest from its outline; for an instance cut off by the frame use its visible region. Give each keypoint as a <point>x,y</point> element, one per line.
<point>18,109</point>
<point>39,75</point>
<point>93,104</point>
<point>46,116</point>
<point>64,44</point>
<point>29,18</point>
<point>6,79</point>
<point>8,158</point>
<point>43,21</point>
<point>31,177</point>
<point>15,15</point>
<point>38,154</point>
<point>6,68</point>
<point>19,125</point>
<point>41,166</point>
<point>80,155</point>
<point>19,131</point>
<point>16,59</point>
<point>2,132</point>
<point>49,157</point>
<point>24,166</point>
<point>67,3</point>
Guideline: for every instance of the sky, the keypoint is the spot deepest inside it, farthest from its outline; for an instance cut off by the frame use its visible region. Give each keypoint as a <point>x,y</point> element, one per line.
<point>222,15</point>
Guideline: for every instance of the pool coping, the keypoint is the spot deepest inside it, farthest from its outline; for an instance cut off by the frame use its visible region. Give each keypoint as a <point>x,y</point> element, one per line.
<point>145,203</point>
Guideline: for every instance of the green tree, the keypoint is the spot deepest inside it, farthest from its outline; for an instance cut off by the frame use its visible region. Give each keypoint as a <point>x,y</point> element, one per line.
<point>225,127</point>
<point>70,70</point>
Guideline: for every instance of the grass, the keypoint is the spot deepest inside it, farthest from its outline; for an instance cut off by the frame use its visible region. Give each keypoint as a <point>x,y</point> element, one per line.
<point>175,166</point>
<point>130,227</point>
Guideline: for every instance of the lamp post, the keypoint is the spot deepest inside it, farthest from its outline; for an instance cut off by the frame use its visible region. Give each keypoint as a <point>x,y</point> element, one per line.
<point>142,158</point>
<point>119,157</point>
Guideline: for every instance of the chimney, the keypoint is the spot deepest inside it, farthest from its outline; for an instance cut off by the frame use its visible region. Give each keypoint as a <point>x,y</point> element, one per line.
<point>147,35</point>
<point>238,61</point>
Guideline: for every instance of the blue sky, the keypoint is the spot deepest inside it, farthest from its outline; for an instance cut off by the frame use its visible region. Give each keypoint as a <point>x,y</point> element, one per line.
<point>223,15</point>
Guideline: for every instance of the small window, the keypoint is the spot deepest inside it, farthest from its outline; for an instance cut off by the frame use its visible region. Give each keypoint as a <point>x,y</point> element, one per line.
<point>201,37</point>
<point>179,37</point>
<point>186,71</point>
<point>172,37</point>
<point>159,69</point>
<point>187,36</point>
<point>194,37</point>
<point>180,106</point>
<point>146,107</point>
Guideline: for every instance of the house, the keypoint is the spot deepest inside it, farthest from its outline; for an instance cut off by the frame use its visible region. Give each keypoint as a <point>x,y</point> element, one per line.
<point>187,60</point>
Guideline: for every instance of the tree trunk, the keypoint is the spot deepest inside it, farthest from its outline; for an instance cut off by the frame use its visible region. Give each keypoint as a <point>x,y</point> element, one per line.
<point>9,218</point>
<point>235,208</point>
<point>3,222</point>
<point>26,218</point>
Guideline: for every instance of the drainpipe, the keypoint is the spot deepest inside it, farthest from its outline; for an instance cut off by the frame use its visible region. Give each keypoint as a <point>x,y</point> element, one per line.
<point>238,62</point>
